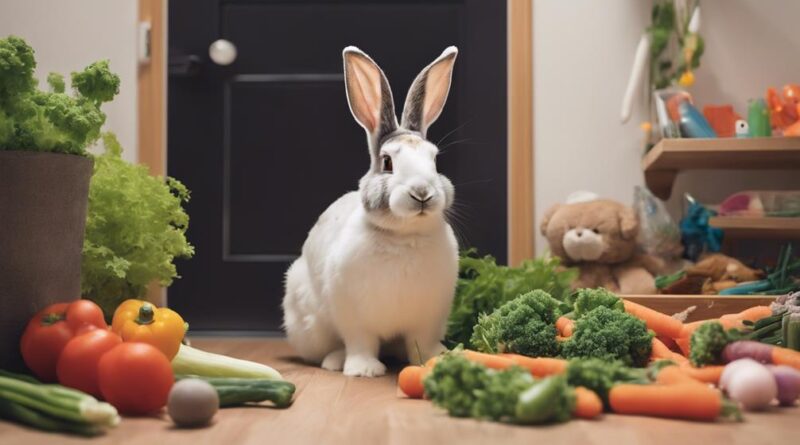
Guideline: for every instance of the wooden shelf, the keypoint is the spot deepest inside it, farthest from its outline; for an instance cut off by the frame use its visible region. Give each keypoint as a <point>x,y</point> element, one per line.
<point>706,306</point>
<point>744,227</point>
<point>662,164</point>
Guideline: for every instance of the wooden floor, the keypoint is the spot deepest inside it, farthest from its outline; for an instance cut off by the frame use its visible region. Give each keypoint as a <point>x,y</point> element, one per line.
<point>332,409</point>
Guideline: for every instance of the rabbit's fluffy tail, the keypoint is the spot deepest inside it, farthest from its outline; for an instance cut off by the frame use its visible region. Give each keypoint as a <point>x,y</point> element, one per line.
<point>311,336</point>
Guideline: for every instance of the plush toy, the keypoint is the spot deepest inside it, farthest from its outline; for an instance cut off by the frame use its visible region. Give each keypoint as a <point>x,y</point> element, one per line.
<point>598,236</point>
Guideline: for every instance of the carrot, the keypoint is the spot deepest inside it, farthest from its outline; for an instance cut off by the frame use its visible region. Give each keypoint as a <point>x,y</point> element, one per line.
<point>565,326</point>
<point>683,344</point>
<point>661,324</point>
<point>681,400</point>
<point>786,356</point>
<point>669,343</point>
<point>661,352</point>
<point>587,403</point>
<point>674,375</point>
<point>492,361</point>
<point>753,314</point>
<point>539,366</point>
<point>706,374</point>
<point>410,381</point>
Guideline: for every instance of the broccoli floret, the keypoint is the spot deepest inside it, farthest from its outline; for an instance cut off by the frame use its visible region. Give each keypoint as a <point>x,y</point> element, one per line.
<point>524,325</point>
<point>600,375</point>
<point>96,82</point>
<point>454,384</point>
<point>611,335</point>
<point>588,299</point>
<point>498,399</point>
<point>707,343</point>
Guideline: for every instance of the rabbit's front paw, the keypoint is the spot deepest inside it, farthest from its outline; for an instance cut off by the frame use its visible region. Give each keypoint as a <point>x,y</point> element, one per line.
<point>334,360</point>
<point>360,366</point>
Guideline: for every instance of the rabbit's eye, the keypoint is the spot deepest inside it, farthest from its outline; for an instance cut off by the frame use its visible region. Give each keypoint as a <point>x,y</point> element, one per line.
<point>387,164</point>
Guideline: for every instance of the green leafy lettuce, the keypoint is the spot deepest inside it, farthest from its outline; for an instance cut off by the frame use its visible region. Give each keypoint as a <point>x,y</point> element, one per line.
<point>136,227</point>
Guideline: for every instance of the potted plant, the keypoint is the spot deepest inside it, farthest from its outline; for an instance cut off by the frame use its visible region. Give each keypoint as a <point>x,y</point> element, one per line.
<point>44,184</point>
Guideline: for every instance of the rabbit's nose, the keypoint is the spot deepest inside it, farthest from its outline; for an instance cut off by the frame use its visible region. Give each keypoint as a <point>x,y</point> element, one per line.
<point>420,193</point>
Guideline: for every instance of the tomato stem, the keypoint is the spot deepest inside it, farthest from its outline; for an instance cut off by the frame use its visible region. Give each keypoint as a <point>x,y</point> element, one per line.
<point>53,318</point>
<point>145,314</point>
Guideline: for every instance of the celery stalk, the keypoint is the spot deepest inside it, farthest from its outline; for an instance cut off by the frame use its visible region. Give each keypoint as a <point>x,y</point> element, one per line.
<point>196,362</point>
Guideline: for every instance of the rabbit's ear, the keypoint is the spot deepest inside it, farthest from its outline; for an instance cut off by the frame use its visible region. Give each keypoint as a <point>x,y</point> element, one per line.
<point>368,93</point>
<point>428,92</point>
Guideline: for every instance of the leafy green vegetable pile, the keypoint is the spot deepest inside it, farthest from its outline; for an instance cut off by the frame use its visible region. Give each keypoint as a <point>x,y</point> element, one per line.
<point>600,375</point>
<point>51,121</point>
<point>526,325</point>
<point>484,286</point>
<point>467,389</point>
<point>135,229</point>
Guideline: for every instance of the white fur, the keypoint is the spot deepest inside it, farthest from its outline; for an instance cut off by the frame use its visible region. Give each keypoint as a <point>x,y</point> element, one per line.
<point>369,277</point>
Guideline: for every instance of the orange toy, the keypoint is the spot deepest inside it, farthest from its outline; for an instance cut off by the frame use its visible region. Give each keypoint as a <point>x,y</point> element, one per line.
<point>722,119</point>
<point>784,111</point>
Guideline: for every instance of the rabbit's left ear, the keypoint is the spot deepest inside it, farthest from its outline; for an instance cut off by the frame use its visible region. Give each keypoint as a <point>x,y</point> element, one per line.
<point>428,92</point>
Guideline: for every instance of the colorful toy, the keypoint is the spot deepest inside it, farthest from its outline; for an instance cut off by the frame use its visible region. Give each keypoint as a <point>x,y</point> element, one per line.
<point>758,119</point>
<point>722,119</point>
<point>742,129</point>
<point>784,111</point>
<point>693,124</point>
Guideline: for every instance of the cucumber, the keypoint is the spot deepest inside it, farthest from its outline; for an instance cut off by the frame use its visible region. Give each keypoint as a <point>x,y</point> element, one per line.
<point>238,391</point>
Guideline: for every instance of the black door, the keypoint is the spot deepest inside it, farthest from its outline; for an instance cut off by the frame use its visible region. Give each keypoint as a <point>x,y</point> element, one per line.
<point>241,136</point>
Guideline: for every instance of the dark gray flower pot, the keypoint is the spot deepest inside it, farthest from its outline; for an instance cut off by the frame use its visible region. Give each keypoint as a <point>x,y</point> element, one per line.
<point>43,200</point>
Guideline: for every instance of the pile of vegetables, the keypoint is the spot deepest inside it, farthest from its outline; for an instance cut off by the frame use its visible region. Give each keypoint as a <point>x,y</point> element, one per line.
<point>50,121</point>
<point>136,227</point>
<point>537,359</point>
<point>484,286</point>
<point>783,279</point>
<point>132,365</point>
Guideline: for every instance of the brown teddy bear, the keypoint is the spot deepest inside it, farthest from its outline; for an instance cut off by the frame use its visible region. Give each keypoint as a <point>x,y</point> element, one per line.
<point>599,238</point>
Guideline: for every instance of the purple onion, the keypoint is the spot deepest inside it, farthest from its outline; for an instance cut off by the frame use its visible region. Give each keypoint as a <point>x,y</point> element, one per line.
<point>759,352</point>
<point>788,380</point>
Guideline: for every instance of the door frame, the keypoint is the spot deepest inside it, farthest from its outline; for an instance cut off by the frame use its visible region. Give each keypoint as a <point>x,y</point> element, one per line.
<point>152,131</point>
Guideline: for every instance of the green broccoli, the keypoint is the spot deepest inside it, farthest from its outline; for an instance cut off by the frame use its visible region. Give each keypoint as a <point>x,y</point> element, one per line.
<point>600,375</point>
<point>611,335</point>
<point>587,299</point>
<point>50,121</point>
<point>707,343</point>
<point>498,399</point>
<point>467,389</point>
<point>524,325</point>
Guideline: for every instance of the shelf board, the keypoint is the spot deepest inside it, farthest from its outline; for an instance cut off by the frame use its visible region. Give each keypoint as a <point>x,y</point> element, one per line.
<point>662,164</point>
<point>769,227</point>
<point>706,306</point>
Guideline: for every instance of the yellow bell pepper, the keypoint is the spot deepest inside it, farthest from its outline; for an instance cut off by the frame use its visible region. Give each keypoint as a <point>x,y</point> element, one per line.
<point>140,321</point>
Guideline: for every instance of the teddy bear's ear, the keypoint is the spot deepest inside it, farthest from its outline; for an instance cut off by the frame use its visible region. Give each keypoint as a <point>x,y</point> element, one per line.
<point>628,223</point>
<point>546,219</point>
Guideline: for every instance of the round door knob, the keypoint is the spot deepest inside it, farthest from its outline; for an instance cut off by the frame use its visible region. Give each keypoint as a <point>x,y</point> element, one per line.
<point>222,52</point>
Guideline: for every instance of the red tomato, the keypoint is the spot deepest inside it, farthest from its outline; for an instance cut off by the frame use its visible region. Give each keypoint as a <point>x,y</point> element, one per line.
<point>135,378</point>
<point>49,331</point>
<point>77,365</point>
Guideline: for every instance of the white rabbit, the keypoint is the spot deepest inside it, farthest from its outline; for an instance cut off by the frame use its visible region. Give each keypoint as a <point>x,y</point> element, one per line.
<point>381,263</point>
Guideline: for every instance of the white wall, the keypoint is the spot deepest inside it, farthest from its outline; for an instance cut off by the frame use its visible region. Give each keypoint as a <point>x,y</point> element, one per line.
<point>68,35</point>
<point>582,53</point>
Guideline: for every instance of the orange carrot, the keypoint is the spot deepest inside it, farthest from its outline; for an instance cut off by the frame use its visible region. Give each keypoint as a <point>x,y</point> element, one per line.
<point>681,400</point>
<point>786,356</point>
<point>539,366</point>
<point>753,314</point>
<point>683,343</point>
<point>706,374</point>
<point>673,375</point>
<point>492,361</point>
<point>410,381</point>
<point>661,324</point>
<point>587,403</point>
<point>661,352</point>
<point>669,343</point>
<point>565,326</point>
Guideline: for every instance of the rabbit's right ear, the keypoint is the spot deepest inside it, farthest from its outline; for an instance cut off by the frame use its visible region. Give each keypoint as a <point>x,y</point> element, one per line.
<point>368,93</point>
<point>428,92</point>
